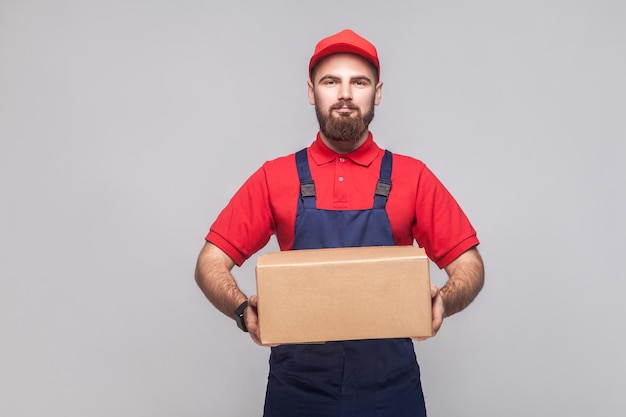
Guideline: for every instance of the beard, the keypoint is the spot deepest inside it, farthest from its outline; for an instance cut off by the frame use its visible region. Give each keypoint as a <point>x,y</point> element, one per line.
<point>344,128</point>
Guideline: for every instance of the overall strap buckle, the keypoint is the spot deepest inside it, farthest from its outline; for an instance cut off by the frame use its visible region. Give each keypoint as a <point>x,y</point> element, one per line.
<point>383,187</point>
<point>307,188</point>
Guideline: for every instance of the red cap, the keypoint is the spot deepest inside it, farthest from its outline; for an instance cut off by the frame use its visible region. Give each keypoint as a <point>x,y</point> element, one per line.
<point>345,41</point>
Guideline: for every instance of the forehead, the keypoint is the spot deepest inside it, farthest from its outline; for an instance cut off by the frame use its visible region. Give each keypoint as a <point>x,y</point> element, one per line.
<point>344,65</point>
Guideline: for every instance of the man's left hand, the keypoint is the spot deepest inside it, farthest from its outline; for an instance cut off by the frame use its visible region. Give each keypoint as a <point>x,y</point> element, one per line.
<point>438,312</point>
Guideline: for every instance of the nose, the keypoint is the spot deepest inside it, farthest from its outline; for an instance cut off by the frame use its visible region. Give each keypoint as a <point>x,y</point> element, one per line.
<point>345,91</point>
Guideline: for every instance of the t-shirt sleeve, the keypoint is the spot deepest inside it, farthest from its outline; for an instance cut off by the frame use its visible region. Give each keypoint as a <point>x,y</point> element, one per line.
<point>246,224</point>
<point>441,228</point>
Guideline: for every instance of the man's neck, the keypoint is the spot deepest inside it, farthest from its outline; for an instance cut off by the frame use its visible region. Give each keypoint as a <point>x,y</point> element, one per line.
<point>345,146</point>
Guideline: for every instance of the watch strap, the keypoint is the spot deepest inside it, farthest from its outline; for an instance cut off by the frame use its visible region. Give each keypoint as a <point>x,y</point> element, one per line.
<point>241,322</point>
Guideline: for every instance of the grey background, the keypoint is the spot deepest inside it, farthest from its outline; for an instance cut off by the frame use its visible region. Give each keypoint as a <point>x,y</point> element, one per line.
<point>127,125</point>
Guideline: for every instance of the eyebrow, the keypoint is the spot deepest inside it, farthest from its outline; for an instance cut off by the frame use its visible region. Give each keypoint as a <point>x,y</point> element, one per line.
<point>335,77</point>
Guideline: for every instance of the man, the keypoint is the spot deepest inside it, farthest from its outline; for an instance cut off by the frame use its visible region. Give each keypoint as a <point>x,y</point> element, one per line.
<point>351,378</point>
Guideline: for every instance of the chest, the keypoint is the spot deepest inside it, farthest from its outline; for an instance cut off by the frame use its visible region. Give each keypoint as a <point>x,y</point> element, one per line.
<point>344,185</point>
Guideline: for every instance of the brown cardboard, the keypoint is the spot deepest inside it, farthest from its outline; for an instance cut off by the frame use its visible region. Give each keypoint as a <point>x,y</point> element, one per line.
<point>318,295</point>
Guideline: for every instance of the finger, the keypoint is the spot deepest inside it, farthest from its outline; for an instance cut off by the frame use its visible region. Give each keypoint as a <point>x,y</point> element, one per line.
<point>253,301</point>
<point>434,290</point>
<point>256,338</point>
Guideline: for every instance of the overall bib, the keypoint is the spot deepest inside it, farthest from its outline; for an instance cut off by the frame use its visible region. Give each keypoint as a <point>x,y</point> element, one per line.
<point>356,378</point>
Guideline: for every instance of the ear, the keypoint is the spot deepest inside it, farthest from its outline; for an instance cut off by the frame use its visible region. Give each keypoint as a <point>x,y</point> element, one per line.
<point>378,93</point>
<point>311,92</point>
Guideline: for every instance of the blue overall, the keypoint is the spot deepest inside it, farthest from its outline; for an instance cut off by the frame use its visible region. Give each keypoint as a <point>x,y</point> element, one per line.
<point>356,378</point>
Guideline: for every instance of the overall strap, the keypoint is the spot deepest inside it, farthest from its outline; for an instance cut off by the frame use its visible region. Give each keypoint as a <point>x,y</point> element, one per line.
<point>307,187</point>
<point>383,187</point>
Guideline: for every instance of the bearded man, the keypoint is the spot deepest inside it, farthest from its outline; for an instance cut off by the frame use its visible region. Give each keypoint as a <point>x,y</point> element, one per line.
<point>364,378</point>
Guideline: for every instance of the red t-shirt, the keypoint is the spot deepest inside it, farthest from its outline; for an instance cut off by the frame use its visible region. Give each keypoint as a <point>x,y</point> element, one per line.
<point>419,206</point>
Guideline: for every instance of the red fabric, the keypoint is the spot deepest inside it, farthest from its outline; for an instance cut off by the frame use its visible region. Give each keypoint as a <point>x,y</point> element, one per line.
<point>345,41</point>
<point>419,207</point>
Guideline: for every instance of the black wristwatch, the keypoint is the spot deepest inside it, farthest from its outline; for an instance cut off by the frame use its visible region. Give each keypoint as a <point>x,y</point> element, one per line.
<point>241,323</point>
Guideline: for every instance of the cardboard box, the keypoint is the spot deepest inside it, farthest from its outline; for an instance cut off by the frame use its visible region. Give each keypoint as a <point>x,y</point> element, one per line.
<point>318,295</point>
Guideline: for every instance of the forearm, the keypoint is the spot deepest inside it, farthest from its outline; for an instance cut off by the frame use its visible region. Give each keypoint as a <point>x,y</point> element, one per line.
<point>465,280</point>
<point>215,280</point>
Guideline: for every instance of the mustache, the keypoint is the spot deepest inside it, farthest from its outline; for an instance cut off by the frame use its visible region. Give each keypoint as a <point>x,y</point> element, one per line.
<point>344,104</point>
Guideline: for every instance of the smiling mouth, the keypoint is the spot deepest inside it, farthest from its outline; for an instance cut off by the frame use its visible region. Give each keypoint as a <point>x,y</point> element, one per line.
<point>344,110</point>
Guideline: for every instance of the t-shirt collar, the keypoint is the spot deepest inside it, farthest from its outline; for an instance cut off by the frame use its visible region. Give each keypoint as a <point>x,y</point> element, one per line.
<point>363,155</point>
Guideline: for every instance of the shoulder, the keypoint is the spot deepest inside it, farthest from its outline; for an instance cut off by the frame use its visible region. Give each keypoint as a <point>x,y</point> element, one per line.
<point>281,173</point>
<point>280,162</point>
<point>282,165</point>
<point>413,173</point>
<point>404,164</point>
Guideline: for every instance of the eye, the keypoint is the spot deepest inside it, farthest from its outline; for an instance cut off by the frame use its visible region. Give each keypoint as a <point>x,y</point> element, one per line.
<point>360,83</point>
